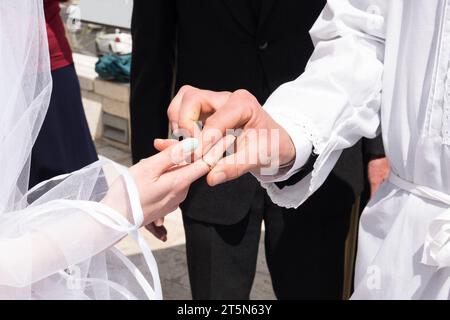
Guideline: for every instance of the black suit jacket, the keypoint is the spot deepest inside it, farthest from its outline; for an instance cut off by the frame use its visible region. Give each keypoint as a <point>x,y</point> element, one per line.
<point>218,45</point>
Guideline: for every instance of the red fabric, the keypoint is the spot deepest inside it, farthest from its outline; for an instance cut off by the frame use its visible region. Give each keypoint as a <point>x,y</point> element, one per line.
<point>60,52</point>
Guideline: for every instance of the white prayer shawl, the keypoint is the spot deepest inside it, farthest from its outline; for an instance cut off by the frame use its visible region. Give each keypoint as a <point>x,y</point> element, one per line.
<point>385,60</point>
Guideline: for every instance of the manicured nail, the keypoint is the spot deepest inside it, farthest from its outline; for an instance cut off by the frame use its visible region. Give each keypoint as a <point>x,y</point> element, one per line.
<point>189,144</point>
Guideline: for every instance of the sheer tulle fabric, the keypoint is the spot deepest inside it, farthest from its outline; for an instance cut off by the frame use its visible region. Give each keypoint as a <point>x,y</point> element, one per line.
<point>55,240</point>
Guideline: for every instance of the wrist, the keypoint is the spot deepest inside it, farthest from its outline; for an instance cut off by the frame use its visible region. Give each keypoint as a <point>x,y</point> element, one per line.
<point>287,149</point>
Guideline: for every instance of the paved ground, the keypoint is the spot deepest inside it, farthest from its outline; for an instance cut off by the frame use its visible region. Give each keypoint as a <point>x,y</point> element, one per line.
<point>171,255</point>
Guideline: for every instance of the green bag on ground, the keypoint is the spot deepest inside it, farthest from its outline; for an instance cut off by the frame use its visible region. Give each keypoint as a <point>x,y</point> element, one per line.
<point>114,67</point>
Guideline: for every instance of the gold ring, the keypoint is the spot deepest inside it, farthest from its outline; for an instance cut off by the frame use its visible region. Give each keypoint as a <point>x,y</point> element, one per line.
<point>209,166</point>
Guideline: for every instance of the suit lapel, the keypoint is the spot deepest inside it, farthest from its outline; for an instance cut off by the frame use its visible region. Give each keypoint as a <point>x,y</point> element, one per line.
<point>241,15</point>
<point>266,9</point>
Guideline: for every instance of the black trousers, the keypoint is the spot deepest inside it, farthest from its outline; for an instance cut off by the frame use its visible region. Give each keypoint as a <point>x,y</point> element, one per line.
<point>304,248</point>
<point>64,142</point>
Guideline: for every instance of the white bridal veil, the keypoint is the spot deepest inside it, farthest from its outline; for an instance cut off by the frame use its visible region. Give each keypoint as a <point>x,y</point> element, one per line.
<point>55,239</point>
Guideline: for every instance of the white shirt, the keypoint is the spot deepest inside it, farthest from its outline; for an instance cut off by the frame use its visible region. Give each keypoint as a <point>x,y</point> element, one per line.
<point>378,61</point>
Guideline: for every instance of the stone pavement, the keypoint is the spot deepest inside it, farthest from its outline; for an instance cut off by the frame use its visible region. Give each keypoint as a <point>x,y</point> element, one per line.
<point>171,255</point>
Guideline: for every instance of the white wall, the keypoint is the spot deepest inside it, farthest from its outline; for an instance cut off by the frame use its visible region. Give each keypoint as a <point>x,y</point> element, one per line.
<point>109,12</point>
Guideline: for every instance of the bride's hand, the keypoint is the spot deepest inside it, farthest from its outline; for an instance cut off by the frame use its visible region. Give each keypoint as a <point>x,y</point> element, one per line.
<point>164,179</point>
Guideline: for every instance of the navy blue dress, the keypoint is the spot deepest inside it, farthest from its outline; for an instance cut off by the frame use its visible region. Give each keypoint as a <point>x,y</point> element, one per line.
<point>64,142</point>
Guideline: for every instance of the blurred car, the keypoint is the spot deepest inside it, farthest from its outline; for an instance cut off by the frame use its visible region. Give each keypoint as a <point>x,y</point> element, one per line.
<point>118,43</point>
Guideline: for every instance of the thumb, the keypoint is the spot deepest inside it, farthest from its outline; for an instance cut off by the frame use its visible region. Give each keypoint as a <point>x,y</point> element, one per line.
<point>162,144</point>
<point>229,168</point>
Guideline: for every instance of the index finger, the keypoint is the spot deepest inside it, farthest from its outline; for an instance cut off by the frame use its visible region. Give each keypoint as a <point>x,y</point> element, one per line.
<point>191,105</point>
<point>234,114</point>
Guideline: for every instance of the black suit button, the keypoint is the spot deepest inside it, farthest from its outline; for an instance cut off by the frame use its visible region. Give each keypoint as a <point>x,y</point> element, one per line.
<point>263,46</point>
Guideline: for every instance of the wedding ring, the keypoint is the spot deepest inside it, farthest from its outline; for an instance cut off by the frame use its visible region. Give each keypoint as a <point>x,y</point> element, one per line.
<point>209,166</point>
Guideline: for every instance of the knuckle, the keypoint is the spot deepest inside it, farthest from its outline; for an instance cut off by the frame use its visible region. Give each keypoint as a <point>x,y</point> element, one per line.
<point>248,100</point>
<point>171,196</point>
<point>245,95</point>
<point>185,124</point>
<point>185,88</point>
<point>242,93</point>
<point>183,92</point>
<point>171,113</point>
<point>190,95</point>
<point>172,110</point>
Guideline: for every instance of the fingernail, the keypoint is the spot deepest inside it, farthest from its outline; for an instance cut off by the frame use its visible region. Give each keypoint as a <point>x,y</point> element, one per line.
<point>189,144</point>
<point>218,177</point>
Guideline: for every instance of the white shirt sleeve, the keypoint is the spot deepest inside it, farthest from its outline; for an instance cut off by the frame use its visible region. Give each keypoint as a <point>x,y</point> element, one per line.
<point>336,101</point>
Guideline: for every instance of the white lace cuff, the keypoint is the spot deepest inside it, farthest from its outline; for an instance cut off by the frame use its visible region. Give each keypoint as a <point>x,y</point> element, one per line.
<point>303,138</point>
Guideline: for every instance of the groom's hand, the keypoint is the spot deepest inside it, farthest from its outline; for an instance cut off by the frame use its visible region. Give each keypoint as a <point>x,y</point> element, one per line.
<point>262,146</point>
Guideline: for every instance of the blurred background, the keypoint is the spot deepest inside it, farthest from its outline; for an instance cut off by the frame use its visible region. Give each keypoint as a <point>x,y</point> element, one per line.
<point>97,27</point>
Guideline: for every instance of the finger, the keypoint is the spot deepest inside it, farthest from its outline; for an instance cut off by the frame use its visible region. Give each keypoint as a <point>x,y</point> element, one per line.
<point>159,232</point>
<point>195,106</point>
<point>159,222</point>
<point>174,155</point>
<point>174,107</point>
<point>199,168</point>
<point>234,114</point>
<point>216,152</point>
<point>236,164</point>
<point>162,144</point>
<point>229,168</point>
